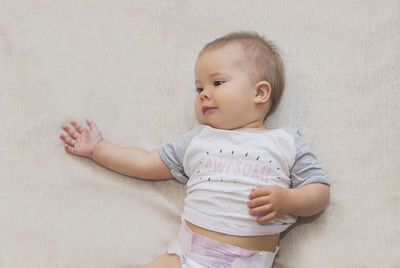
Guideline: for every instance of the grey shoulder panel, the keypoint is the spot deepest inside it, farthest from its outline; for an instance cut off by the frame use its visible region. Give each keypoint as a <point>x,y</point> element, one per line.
<point>173,151</point>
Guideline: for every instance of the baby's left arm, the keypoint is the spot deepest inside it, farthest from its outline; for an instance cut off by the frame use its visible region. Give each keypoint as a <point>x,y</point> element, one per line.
<point>271,202</point>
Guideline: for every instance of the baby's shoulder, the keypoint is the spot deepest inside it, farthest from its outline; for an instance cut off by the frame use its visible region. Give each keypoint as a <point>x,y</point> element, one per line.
<point>288,129</point>
<point>291,135</point>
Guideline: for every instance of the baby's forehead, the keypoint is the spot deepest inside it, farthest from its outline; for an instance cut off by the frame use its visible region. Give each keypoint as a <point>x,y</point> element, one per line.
<point>228,54</point>
<point>232,55</point>
<point>233,47</point>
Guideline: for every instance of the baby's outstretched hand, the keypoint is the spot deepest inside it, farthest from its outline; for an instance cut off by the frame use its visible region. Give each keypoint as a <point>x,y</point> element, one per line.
<point>81,141</point>
<point>269,202</point>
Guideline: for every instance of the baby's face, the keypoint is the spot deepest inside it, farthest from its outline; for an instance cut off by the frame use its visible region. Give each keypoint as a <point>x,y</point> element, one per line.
<point>225,89</point>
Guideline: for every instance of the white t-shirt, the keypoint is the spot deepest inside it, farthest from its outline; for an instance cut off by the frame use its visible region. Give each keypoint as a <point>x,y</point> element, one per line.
<point>220,167</point>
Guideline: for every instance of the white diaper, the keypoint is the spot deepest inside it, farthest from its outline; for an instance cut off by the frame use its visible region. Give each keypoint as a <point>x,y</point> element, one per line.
<point>197,251</point>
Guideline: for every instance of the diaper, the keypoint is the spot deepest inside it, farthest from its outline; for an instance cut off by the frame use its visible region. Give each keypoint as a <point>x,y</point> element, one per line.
<point>197,251</point>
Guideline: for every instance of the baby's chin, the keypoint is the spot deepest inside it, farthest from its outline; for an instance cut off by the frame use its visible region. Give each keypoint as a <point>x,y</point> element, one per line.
<point>204,121</point>
<point>213,124</point>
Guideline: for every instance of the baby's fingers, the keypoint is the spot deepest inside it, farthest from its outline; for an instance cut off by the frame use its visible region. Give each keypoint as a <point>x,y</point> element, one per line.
<point>270,216</point>
<point>92,125</point>
<point>71,132</point>
<point>78,127</point>
<point>67,140</point>
<point>260,201</point>
<point>261,211</point>
<point>69,149</point>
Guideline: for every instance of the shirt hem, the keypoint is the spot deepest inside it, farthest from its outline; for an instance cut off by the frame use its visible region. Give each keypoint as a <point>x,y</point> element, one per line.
<point>238,231</point>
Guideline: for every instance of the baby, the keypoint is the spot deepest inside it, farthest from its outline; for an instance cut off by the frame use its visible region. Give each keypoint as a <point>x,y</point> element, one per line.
<point>245,183</point>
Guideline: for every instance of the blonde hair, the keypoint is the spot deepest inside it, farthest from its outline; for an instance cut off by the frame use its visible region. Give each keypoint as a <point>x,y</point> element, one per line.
<point>263,55</point>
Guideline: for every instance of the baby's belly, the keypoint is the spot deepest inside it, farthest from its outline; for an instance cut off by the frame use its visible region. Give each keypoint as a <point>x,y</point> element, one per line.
<point>255,243</point>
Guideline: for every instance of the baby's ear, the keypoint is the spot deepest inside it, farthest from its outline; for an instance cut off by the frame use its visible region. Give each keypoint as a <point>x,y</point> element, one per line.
<point>263,92</point>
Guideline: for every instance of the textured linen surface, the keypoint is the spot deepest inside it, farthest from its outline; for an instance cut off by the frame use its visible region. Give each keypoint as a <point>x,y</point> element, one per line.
<point>128,66</point>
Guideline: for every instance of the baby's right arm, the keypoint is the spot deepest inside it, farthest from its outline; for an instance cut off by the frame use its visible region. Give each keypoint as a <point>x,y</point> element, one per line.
<point>131,161</point>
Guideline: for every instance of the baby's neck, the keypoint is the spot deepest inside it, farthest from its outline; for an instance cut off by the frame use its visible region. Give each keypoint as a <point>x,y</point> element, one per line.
<point>258,128</point>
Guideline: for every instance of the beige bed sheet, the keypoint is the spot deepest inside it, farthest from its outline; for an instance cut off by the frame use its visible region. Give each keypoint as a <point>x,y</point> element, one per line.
<point>128,65</point>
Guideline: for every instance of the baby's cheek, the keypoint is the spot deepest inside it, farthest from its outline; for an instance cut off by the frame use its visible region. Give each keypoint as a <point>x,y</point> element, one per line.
<point>197,108</point>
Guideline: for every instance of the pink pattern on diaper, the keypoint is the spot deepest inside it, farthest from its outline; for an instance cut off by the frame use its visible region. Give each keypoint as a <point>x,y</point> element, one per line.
<point>213,254</point>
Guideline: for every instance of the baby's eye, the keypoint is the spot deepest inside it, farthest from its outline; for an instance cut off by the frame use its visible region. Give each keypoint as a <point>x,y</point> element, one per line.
<point>218,83</point>
<point>199,90</point>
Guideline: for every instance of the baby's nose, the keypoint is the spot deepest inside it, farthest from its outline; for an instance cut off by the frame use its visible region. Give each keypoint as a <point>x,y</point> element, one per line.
<point>205,94</point>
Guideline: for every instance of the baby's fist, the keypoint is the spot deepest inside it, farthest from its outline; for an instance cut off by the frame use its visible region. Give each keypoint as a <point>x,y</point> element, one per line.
<point>269,202</point>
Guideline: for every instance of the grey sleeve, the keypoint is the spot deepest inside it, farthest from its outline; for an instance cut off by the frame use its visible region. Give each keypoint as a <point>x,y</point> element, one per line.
<point>173,151</point>
<point>306,168</point>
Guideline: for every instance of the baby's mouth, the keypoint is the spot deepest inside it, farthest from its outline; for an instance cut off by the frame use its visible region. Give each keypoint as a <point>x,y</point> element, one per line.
<point>207,108</point>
